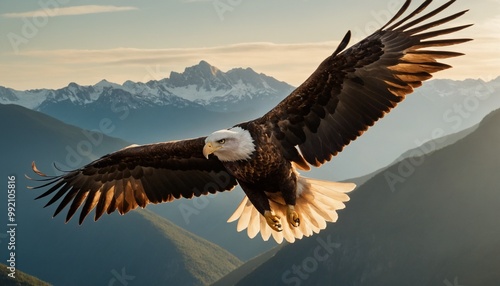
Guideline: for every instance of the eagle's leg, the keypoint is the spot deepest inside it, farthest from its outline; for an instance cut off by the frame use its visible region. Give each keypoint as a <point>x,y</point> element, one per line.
<point>292,216</point>
<point>289,193</point>
<point>273,220</point>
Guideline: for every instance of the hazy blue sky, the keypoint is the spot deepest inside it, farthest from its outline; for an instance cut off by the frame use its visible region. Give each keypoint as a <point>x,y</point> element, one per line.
<point>49,43</point>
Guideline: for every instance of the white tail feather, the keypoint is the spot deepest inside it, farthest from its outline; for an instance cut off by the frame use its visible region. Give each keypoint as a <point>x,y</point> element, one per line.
<point>317,203</point>
<point>239,210</point>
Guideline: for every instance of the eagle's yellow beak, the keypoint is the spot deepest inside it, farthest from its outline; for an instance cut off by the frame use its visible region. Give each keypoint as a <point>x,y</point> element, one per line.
<point>210,148</point>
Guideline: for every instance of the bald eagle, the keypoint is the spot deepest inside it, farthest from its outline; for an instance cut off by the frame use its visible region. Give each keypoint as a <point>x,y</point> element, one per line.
<point>349,91</point>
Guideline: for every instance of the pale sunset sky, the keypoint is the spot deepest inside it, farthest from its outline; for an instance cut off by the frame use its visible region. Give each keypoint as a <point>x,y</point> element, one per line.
<point>50,43</point>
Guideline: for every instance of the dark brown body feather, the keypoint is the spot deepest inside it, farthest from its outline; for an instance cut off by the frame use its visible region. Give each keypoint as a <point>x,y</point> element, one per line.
<point>267,170</point>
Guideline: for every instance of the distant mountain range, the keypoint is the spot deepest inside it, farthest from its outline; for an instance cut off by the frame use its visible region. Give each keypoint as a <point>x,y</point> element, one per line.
<point>199,85</point>
<point>178,106</point>
<point>426,220</point>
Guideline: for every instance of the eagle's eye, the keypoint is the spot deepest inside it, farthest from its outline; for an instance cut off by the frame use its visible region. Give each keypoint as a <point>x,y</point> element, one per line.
<point>222,141</point>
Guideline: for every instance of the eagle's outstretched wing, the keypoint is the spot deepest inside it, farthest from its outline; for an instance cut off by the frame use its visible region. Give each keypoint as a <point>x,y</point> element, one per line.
<point>136,176</point>
<point>354,88</point>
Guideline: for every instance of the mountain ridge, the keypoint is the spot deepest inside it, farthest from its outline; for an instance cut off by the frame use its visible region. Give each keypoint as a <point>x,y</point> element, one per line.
<point>20,278</point>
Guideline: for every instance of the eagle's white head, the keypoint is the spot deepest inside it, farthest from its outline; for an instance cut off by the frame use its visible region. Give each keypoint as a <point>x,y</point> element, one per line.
<point>229,144</point>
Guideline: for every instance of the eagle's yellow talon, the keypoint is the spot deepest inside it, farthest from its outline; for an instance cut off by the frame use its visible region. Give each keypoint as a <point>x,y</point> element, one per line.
<point>292,216</point>
<point>273,220</point>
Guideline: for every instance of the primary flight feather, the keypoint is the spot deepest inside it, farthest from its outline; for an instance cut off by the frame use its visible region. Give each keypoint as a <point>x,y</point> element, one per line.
<point>348,93</point>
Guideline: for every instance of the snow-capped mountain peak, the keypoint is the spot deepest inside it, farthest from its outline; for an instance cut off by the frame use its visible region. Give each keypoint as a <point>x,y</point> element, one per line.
<point>106,84</point>
<point>207,85</point>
